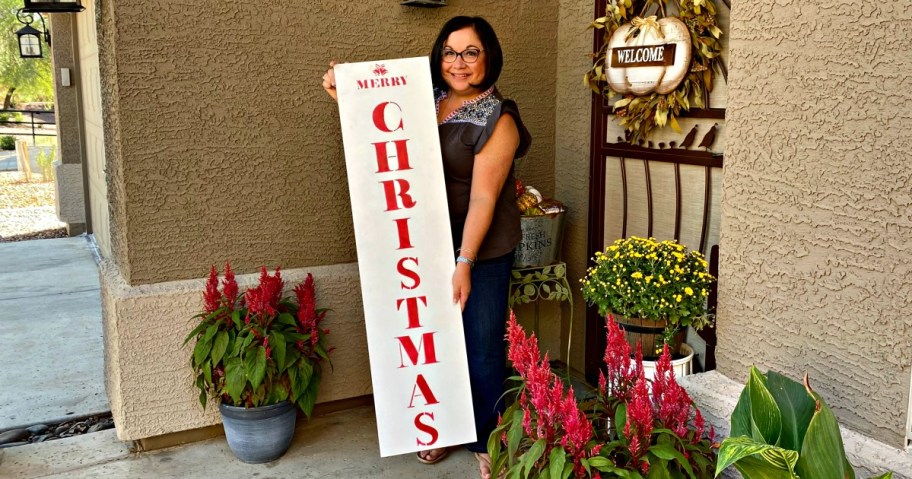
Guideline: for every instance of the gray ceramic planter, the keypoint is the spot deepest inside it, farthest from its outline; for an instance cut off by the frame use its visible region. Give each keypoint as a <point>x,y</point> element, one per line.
<point>261,434</point>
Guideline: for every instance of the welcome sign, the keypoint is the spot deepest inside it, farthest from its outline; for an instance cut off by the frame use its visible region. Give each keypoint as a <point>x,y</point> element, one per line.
<point>414,331</point>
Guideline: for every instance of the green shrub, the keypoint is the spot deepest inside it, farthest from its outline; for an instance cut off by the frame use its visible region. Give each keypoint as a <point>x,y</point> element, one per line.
<point>45,161</point>
<point>7,143</point>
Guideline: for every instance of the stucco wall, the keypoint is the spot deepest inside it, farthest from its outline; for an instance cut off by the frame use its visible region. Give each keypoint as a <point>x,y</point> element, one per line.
<point>571,162</point>
<point>66,101</point>
<point>222,144</point>
<point>69,182</point>
<point>147,374</point>
<point>816,270</point>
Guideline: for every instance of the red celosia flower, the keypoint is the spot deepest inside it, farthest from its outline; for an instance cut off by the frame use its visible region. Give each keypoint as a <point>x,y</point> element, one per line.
<point>229,287</point>
<point>639,425</point>
<point>620,377</point>
<point>549,412</point>
<point>308,318</point>
<point>264,299</point>
<point>211,296</point>
<point>672,404</point>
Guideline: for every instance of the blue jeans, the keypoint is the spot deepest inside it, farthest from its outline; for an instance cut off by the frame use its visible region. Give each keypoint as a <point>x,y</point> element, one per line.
<point>484,320</point>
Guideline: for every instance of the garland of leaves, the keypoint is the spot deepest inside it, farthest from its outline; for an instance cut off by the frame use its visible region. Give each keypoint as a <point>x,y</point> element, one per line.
<point>639,115</point>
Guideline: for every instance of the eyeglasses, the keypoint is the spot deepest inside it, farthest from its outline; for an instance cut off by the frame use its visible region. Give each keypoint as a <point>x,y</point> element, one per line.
<point>469,55</point>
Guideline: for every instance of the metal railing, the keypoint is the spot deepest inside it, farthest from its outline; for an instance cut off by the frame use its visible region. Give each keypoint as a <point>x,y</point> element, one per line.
<point>34,128</point>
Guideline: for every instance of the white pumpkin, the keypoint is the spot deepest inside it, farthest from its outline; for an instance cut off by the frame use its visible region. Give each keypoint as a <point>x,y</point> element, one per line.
<point>644,80</point>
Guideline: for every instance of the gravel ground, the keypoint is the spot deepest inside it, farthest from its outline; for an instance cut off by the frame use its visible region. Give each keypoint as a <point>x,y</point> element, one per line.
<point>27,209</point>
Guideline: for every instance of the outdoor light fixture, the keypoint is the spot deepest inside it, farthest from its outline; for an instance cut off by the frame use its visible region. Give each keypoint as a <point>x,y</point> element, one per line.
<point>424,3</point>
<point>30,37</point>
<point>53,6</point>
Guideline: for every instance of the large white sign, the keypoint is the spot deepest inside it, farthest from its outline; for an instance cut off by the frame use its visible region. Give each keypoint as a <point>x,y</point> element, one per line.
<point>405,257</point>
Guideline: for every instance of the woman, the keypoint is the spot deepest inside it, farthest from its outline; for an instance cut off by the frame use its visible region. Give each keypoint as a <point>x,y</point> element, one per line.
<point>481,134</point>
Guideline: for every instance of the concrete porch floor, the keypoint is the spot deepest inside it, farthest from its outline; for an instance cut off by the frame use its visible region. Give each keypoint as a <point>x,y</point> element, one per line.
<point>52,354</point>
<point>341,444</point>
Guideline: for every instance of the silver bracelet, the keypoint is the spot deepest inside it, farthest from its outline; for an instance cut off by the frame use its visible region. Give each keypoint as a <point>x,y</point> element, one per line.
<point>463,259</point>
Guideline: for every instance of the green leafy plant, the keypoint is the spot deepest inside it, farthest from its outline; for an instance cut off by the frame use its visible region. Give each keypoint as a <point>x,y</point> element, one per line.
<point>635,428</point>
<point>260,348</point>
<point>783,429</point>
<point>650,279</point>
<point>7,142</point>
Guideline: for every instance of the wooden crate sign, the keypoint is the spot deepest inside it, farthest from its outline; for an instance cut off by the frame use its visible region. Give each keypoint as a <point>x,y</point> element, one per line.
<point>405,255</point>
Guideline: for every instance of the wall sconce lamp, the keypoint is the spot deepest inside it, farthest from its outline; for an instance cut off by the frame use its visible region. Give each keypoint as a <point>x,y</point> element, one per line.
<point>424,3</point>
<point>29,36</point>
<point>53,6</point>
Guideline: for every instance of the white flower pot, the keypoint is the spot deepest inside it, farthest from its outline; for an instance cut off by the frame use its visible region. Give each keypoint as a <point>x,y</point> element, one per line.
<point>681,367</point>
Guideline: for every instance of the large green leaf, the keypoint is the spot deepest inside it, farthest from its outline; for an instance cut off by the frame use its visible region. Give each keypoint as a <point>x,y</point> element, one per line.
<point>533,455</point>
<point>305,371</point>
<point>796,407</point>
<point>297,387</point>
<point>556,461</point>
<point>741,416</point>
<point>235,378</point>
<point>669,453</point>
<point>277,343</point>
<point>658,469</point>
<point>514,436</point>
<point>309,398</point>
<point>201,351</point>
<point>754,467</point>
<point>822,453</point>
<point>219,346</point>
<point>766,418</point>
<point>755,459</point>
<point>255,366</point>
<point>210,332</point>
<point>620,419</point>
<point>198,329</point>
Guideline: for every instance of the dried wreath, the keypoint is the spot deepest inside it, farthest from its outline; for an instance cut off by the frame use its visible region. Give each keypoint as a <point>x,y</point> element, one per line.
<point>639,115</point>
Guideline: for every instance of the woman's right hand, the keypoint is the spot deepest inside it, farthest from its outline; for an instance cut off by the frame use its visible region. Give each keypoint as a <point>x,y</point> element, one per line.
<point>329,81</point>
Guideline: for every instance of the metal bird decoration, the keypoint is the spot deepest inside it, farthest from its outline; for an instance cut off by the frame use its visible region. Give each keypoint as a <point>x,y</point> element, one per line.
<point>710,137</point>
<point>689,139</point>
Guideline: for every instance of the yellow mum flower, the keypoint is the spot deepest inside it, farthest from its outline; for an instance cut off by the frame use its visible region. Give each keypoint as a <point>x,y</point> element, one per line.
<point>688,291</point>
<point>636,275</point>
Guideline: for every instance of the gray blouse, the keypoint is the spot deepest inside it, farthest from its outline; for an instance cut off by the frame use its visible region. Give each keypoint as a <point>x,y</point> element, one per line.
<point>462,135</point>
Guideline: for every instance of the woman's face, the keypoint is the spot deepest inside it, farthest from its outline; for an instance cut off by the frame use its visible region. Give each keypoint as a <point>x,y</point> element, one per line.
<point>459,75</point>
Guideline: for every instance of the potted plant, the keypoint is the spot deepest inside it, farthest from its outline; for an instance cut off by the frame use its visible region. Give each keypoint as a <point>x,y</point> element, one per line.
<point>653,288</point>
<point>782,428</point>
<point>634,428</point>
<point>259,355</point>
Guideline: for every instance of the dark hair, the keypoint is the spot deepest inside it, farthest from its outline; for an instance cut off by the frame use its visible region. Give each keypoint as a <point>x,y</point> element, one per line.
<point>493,55</point>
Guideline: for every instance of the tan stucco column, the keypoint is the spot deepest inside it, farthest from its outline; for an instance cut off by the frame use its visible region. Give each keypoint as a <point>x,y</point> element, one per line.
<point>68,169</point>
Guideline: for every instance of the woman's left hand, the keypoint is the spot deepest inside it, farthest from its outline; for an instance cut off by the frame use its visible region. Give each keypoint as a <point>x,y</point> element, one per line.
<point>462,284</point>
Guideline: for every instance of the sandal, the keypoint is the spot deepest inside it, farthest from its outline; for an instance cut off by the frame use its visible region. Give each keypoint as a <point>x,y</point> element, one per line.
<point>441,455</point>
<point>484,465</point>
